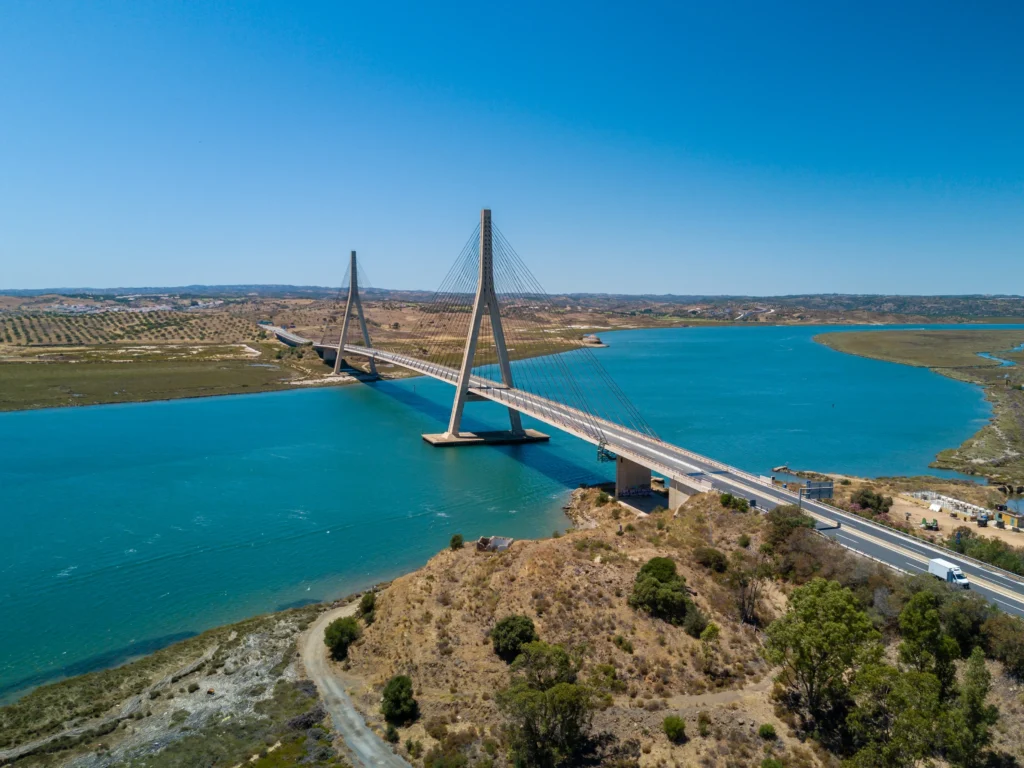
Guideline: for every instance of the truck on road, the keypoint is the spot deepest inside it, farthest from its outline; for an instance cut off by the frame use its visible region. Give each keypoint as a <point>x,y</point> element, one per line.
<point>948,572</point>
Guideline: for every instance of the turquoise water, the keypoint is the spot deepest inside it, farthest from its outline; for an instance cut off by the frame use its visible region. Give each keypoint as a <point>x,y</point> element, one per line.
<point>1002,363</point>
<point>129,526</point>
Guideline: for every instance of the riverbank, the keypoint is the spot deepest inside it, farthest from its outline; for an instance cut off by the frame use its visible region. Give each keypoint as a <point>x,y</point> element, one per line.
<point>233,694</point>
<point>991,359</point>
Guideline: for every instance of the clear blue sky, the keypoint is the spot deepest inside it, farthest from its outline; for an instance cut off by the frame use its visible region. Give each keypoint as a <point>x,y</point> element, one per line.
<point>724,147</point>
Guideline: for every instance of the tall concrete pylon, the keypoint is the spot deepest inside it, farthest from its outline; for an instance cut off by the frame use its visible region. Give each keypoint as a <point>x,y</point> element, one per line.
<point>353,300</point>
<point>486,300</point>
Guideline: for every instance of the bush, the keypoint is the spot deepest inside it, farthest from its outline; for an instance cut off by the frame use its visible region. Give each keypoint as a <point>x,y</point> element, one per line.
<point>711,559</point>
<point>398,706</point>
<point>767,732</point>
<point>661,592</point>
<point>771,762</point>
<point>623,643</point>
<point>543,666</point>
<point>547,728</point>
<point>988,550</point>
<point>695,622</point>
<point>1004,636</point>
<point>391,734</point>
<point>511,634</point>
<point>367,605</point>
<point>743,540</point>
<point>782,521</point>
<point>703,723</point>
<point>456,542</point>
<point>675,729</point>
<point>729,501</point>
<point>865,498</point>
<point>414,748</point>
<point>340,634</point>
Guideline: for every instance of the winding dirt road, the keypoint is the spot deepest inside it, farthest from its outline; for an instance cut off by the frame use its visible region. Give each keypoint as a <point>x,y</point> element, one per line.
<point>369,750</point>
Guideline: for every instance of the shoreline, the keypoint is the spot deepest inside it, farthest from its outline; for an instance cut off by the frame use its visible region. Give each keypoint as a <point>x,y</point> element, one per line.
<point>969,457</point>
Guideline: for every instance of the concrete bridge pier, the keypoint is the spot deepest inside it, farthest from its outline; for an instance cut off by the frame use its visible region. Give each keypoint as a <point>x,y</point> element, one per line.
<point>629,474</point>
<point>677,494</point>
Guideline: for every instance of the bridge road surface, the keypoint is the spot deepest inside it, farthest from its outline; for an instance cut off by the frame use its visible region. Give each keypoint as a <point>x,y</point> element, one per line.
<point>892,548</point>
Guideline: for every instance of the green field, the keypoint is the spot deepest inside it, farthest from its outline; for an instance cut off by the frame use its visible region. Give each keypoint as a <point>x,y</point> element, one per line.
<point>997,450</point>
<point>48,385</point>
<point>930,348</point>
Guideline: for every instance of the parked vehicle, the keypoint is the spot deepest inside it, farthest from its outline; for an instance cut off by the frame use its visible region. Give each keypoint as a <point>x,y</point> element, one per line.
<point>949,573</point>
<point>983,521</point>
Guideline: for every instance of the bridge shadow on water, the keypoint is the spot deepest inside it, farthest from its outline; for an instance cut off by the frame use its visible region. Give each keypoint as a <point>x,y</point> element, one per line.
<point>107,660</point>
<point>542,457</point>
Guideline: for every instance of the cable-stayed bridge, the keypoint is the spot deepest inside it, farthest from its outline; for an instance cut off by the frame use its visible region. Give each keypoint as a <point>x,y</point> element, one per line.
<point>489,306</point>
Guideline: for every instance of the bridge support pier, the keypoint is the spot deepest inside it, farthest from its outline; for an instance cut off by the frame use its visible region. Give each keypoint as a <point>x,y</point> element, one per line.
<point>630,476</point>
<point>677,494</point>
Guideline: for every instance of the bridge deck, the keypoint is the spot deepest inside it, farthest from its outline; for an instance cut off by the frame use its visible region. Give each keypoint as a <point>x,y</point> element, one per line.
<point>895,549</point>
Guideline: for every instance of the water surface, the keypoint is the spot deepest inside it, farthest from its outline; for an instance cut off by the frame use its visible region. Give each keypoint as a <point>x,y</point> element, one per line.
<point>129,526</point>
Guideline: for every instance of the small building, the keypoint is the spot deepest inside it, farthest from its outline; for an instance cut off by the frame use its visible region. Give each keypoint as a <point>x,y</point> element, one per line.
<point>493,543</point>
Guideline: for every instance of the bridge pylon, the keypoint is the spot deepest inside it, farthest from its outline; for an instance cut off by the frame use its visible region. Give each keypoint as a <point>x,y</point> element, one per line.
<point>353,301</point>
<point>484,302</point>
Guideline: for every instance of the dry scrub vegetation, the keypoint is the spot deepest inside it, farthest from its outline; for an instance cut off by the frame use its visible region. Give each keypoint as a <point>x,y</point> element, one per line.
<point>434,626</point>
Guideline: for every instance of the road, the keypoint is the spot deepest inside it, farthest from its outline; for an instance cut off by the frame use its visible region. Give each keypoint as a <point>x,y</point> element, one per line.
<point>369,750</point>
<point>892,548</point>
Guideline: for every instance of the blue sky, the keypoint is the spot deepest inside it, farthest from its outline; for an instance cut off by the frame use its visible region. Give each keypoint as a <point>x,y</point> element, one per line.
<point>730,147</point>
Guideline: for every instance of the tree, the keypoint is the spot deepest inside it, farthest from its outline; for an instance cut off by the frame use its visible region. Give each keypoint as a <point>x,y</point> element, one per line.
<point>963,617</point>
<point>456,542</point>
<point>782,521</point>
<point>340,634</point>
<point>547,728</point>
<point>510,634</point>
<point>542,666</point>
<point>865,498</point>
<point>748,573</point>
<point>925,646</point>
<point>675,729</point>
<point>398,705</point>
<point>367,606</point>
<point>1004,637</point>
<point>711,558</point>
<point>894,723</point>
<point>968,725</point>
<point>660,591</point>
<point>822,636</point>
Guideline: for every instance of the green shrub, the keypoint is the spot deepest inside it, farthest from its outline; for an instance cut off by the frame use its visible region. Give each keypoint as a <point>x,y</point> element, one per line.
<point>367,605</point>
<point>456,542</point>
<point>771,762</point>
<point>743,540</point>
<point>414,748</point>
<point>660,591</point>
<point>729,501</point>
<point>543,666</point>
<point>782,521</point>
<point>623,643</point>
<point>398,705</point>
<point>695,622</point>
<point>703,723</point>
<point>511,634</point>
<point>391,734</point>
<point>675,729</point>
<point>340,634</point>
<point>711,558</point>
<point>867,499</point>
<point>767,732</point>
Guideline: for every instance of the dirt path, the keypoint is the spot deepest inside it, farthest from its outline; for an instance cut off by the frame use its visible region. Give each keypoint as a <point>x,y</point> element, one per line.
<point>367,747</point>
<point>751,691</point>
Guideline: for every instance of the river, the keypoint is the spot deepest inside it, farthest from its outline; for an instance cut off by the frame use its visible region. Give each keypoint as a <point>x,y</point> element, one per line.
<point>129,526</point>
